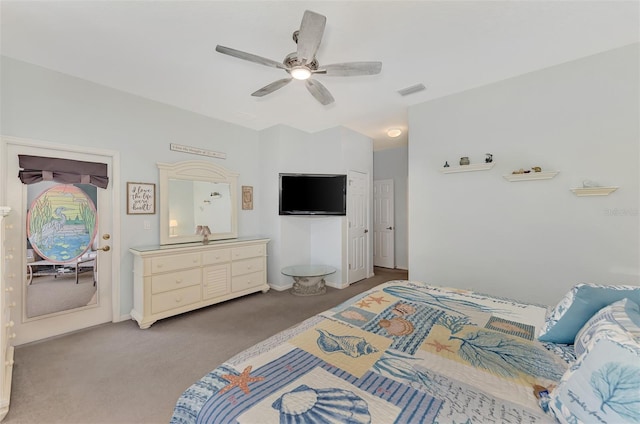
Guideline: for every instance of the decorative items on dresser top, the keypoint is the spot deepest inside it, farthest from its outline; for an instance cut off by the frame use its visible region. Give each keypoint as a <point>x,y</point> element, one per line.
<point>173,279</point>
<point>8,303</point>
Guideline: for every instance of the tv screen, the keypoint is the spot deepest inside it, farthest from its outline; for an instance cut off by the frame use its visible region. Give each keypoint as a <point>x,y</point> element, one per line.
<point>313,194</point>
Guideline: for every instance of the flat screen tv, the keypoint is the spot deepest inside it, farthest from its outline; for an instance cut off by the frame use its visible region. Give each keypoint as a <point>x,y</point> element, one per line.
<point>313,194</point>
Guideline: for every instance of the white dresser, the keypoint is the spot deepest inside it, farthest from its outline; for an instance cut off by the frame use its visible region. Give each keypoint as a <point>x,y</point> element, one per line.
<point>7,280</point>
<point>173,279</point>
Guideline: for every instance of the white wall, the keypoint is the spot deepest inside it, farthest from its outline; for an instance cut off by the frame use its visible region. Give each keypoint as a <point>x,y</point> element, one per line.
<point>393,164</point>
<point>40,104</point>
<point>307,239</point>
<point>530,240</point>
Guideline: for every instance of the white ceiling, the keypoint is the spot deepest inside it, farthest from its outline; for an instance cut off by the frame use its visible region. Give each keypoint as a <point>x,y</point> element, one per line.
<point>165,51</point>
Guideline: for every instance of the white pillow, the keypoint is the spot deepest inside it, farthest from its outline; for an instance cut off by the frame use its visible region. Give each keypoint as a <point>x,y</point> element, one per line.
<point>625,313</point>
<point>604,383</point>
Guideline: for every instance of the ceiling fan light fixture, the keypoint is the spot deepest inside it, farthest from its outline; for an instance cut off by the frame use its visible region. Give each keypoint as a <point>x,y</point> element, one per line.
<point>394,132</point>
<point>300,73</point>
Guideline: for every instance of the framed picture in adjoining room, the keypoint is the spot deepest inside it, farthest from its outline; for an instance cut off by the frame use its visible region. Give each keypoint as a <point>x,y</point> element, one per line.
<point>141,198</point>
<point>247,197</point>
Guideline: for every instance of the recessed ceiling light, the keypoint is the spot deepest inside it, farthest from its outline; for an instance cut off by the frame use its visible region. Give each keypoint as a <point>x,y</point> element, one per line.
<point>394,132</point>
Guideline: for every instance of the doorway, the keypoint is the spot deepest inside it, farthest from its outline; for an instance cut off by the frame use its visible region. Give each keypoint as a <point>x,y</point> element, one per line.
<point>383,224</point>
<point>358,218</point>
<point>42,309</point>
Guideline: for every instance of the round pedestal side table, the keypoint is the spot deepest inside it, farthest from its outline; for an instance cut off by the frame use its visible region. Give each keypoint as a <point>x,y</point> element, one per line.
<point>308,279</point>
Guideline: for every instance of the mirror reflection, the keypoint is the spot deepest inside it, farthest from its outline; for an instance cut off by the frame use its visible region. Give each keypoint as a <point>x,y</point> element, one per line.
<point>197,194</point>
<point>198,203</point>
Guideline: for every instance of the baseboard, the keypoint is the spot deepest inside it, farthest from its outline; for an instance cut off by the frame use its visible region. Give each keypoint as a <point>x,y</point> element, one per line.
<point>337,285</point>
<point>126,317</point>
<point>280,287</point>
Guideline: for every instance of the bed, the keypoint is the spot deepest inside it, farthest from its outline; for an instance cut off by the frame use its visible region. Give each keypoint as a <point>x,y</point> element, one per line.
<point>401,352</point>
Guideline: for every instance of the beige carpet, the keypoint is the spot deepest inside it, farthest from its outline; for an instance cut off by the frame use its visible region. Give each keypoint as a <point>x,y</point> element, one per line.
<point>117,373</point>
<point>47,295</point>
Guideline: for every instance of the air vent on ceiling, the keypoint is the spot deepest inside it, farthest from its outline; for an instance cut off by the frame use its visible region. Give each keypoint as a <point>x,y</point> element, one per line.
<point>412,89</point>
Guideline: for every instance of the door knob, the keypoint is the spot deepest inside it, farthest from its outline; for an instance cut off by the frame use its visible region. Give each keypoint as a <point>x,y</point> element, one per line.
<point>105,248</point>
<point>389,228</point>
<point>366,231</point>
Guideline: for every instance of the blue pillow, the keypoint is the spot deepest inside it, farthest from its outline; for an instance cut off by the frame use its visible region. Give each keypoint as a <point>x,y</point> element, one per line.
<point>625,313</point>
<point>578,306</point>
<point>603,385</point>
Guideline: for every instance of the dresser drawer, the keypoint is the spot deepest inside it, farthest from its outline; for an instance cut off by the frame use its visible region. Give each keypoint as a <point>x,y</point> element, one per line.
<point>216,256</point>
<point>247,266</point>
<point>175,280</point>
<point>174,299</point>
<point>172,263</point>
<point>248,251</point>
<point>247,281</point>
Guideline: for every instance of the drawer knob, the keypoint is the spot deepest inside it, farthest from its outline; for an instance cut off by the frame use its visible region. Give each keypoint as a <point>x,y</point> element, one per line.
<point>9,324</point>
<point>179,281</point>
<point>9,363</point>
<point>12,304</point>
<point>12,336</point>
<point>9,289</point>
<point>178,299</point>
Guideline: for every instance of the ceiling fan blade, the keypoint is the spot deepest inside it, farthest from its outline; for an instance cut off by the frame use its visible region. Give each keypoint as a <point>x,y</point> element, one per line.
<point>310,35</point>
<point>319,91</point>
<point>250,57</point>
<point>270,88</point>
<point>350,69</point>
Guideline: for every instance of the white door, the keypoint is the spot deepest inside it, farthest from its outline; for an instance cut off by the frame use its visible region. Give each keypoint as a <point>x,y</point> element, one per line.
<point>383,224</point>
<point>358,217</point>
<point>100,308</point>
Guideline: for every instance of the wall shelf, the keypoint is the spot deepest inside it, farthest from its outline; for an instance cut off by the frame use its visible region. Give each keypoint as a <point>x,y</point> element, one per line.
<point>593,191</point>
<point>530,176</point>
<point>467,168</point>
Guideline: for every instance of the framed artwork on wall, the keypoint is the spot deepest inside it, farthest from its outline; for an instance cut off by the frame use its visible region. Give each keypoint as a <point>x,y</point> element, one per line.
<point>141,198</point>
<point>247,197</point>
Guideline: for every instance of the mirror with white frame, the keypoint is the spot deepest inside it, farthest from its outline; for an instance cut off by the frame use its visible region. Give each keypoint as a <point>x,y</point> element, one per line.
<point>196,194</point>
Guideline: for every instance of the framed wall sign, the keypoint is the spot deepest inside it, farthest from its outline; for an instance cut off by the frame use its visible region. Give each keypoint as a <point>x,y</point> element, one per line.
<point>141,198</point>
<point>247,197</point>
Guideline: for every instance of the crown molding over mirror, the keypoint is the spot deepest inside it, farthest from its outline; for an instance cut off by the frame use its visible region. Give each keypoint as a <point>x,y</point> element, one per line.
<point>197,193</point>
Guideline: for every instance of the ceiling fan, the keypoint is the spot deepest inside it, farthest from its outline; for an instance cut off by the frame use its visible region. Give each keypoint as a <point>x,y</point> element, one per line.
<point>302,63</point>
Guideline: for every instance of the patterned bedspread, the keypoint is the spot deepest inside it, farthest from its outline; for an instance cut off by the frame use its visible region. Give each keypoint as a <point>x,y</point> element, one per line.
<point>402,352</point>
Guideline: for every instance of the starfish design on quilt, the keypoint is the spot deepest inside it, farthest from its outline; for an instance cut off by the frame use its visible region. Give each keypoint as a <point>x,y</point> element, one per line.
<point>363,304</point>
<point>440,347</point>
<point>378,300</point>
<point>241,380</point>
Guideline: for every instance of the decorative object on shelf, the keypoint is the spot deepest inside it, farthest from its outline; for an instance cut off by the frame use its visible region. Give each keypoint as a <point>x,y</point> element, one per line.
<point>522,175</point>
<point>446,164</point>
<point>205,232</point>
<point>528,171</point>
<point>464,161</point>
<point>467,168</point>
<point>592,188</point>
<point>489,158</point>
<point>141,198</point>
<point>247,197</point>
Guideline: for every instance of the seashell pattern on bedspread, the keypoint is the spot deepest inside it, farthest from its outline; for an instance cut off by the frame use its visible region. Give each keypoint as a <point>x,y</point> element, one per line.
<point>402,352</point>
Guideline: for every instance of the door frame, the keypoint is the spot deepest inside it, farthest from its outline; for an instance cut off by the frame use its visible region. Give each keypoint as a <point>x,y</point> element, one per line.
<point>5,141</point>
